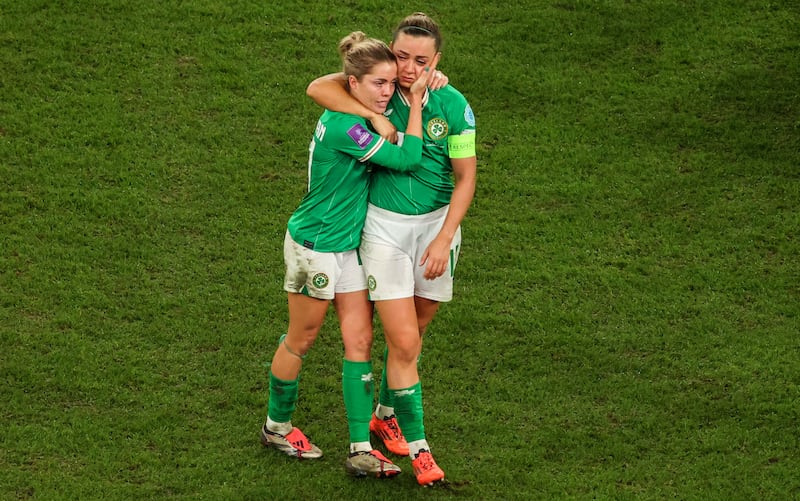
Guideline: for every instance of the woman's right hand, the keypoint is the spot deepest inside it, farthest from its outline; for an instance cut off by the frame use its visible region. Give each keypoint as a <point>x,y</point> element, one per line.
<point>418,87</point>
<point>384,128</point>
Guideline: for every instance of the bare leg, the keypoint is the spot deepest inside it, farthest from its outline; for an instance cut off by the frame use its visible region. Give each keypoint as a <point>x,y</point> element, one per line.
<point>355,319</point>
<point>399,318</point>
<point>306,315</point>
<point>426,310</point>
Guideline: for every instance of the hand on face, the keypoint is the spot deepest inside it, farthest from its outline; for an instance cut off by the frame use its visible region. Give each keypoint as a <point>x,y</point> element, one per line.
<point>425,78</point>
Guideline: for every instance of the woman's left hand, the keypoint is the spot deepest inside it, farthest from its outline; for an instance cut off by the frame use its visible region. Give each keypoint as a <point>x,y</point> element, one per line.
<point>438,80</point>
<point>436,258</point>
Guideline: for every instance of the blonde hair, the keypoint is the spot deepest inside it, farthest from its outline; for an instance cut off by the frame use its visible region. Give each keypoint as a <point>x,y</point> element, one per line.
<point>420,24</point>
<point>360,54</point>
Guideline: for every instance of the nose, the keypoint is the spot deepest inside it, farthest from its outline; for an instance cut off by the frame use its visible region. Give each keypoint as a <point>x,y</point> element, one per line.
<point>404,67</point>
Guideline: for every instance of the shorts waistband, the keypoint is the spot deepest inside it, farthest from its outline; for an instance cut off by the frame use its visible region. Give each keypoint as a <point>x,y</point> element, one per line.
<point>387,215</point>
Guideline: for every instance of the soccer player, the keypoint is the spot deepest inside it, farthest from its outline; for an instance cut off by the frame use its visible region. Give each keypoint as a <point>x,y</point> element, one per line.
<point>320,250</point>
<point>412,234</point>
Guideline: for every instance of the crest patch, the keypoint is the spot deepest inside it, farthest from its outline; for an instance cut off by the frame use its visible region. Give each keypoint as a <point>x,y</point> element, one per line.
<point>437,128</point>
<point>320,280</point>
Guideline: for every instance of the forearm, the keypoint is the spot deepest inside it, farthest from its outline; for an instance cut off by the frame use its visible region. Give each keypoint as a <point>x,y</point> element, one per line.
<point>330,92</point>
<point>461,198</point>
<point>414,127</point>
<point>460,202</point>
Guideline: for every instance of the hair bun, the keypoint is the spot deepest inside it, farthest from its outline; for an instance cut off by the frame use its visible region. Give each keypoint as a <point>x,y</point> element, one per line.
<point>350,41</point>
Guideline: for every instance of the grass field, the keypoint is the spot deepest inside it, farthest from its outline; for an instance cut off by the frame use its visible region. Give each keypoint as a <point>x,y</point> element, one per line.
<point>626,316</point>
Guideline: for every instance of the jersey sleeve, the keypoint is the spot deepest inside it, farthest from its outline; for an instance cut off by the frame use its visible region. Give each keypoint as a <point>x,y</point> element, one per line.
<point>461,140</point>
<point>356,140</point>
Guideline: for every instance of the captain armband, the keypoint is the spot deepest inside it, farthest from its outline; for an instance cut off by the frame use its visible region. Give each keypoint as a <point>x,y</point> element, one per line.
<point>461,146</point>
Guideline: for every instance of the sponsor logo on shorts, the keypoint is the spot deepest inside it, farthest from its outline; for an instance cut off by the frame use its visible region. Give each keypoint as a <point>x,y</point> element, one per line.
<point>371,283</point>
<point>320,280</point>
<point>437,128</point>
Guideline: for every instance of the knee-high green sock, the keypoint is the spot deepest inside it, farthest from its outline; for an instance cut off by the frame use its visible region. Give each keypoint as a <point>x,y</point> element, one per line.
<point>384,395</point>
<point>282,399</point>
<point>358,389</point>
<point>408,408</point>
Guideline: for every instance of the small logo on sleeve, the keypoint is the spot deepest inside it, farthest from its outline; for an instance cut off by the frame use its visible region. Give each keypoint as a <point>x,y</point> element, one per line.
<point>360,135</point>
<point>469,116</point>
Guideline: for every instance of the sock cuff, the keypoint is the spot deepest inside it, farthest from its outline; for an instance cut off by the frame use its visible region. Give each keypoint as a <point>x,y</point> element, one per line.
<point>411,390</point>
<point>350,368</point>
<point>282,382</point>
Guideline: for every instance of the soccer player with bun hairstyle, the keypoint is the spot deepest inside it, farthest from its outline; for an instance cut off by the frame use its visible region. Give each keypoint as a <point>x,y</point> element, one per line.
<point>320,251</point>
<point>412,233</point>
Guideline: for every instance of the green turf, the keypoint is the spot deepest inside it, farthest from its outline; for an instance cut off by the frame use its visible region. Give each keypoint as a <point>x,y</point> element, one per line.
<point>625,323</point>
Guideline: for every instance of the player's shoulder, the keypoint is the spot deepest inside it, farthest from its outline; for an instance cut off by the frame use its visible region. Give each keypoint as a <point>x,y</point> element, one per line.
<point>454,106</point>
<point>341,130</point>
<point>335,118</point>
<point>450,101</point>
<point>448,95</point>
<point>340,123</point>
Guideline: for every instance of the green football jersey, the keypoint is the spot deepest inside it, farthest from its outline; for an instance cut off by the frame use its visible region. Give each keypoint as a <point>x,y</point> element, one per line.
<point>448,132</point>
<point>331,214</point>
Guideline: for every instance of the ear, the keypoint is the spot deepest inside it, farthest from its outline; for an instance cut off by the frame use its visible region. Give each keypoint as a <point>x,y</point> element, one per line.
<point>352,81</point>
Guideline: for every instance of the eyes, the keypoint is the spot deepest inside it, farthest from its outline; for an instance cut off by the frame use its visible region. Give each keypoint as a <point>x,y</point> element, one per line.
<point>419,61</point>
<point>384,83</point>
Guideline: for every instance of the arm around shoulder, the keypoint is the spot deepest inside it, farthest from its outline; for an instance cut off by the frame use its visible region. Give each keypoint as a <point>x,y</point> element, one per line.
<point>330,92</point>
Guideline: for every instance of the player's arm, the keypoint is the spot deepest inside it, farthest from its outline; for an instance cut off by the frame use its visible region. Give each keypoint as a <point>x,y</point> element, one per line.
<point>330,92</point>
<point>437,255</point>
<point>408,156</point>
<point>465,169</point>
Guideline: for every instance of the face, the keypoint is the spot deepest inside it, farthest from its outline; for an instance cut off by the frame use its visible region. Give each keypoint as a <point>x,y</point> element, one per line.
<point>376,87</point>
<point>413,54</point>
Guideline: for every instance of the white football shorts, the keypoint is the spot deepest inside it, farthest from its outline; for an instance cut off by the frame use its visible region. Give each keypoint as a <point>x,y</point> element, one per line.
<point>321,274</point>
<point>392,246</point>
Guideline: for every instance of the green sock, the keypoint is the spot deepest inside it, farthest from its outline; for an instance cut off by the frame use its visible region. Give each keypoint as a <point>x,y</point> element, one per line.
<point>384,395</point>
<point>358,389</point>
<point>408,408</point>
<point>282,399</point>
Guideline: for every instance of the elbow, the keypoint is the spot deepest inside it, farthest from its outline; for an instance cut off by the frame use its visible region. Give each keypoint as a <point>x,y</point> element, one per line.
<point>413,163</point>
<point>311,89</point>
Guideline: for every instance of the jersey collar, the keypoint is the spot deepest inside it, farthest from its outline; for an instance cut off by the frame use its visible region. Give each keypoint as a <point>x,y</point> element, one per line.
<point>407,103</point>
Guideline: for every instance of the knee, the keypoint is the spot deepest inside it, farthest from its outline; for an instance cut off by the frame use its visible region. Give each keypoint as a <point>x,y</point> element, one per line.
<point>300,342</point>
<point>406,351</point>
<point>358,343</point>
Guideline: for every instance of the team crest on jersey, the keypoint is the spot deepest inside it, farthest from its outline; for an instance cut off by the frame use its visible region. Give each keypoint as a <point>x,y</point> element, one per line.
<point>371,283</point>
<point>320,280</point>
<point>437,128</point>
